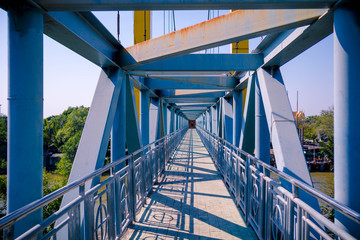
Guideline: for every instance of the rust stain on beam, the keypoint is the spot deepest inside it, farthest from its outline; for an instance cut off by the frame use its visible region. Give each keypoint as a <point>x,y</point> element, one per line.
<point>232,27</point>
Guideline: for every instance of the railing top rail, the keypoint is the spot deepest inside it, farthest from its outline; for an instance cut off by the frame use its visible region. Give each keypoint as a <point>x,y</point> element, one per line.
<point>33,206</point>
<point>295,182</point>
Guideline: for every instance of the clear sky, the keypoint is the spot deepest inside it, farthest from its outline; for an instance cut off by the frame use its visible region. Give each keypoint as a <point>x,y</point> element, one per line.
<point>70,80</point>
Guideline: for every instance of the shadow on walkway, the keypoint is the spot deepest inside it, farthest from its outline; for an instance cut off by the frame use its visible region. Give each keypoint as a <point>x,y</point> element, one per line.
<point>191,201</point>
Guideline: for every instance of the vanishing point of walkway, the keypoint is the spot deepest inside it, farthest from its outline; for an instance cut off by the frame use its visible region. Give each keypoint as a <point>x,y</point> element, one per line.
<point>191,201</point>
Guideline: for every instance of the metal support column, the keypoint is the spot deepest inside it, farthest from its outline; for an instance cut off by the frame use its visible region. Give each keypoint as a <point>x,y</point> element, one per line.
<point>144,116</point>
<point>346,114</point>
<point>237,116</point>
<point>172,120</point>
<point>165,117</point>
<point>210,119</point>
<point>118,144</point>
<point>262,135</point>
<point>25,129</point>
<point>118,133</point>
<point>176,121</point>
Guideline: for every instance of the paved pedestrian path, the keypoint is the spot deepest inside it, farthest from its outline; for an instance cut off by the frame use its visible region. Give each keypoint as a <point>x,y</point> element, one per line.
<point>191,201</point>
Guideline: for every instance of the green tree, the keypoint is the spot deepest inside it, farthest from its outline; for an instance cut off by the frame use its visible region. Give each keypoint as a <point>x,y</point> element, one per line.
<point>69,136</point>
<point>3,144</point>
<point>310,127</point>
<point>326,123</point>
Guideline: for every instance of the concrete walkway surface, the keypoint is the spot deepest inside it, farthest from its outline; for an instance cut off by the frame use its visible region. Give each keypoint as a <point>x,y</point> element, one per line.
<point>191,201</point>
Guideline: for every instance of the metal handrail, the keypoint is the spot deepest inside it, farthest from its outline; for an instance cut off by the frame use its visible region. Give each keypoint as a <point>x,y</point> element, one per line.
<point>217,148</point>
<point>11,218</point>
<point>313,191</point>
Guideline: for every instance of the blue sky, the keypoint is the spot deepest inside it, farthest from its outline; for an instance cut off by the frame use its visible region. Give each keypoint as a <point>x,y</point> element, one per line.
<point>70,80</point>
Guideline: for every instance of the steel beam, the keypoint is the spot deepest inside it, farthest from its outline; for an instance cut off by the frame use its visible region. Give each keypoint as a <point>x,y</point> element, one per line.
<point>191,100</point>
<point>291,43</point>
<point>144,116</point>
<point>154,118</point>
<point>204,63</point>
<point>347,101</point>
<point>165,117</point>
<point>118,144</point>
<point>155,82</point>
<point>214,94</point>
<point>288,150</point>
<point>247,135</point>
<point>84,34</point>
<point>158,84</point>
<point>232,27</point>
<point>192,106</point>
<point>133,137</point>
<point>262,136</point>
<point>126,5</point>
<point>237,116</point>
<point>228,119</point>
<point>95,136</point>
<point>118,133</point>
<point>25,123</point>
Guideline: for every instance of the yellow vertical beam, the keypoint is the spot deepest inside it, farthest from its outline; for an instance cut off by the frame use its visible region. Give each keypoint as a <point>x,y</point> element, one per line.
<point>241,47</point>
<point>141,33</point>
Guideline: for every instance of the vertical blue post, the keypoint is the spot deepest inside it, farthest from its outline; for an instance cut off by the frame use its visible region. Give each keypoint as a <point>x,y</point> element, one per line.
<point>25,128</point>
<point>165,118</point>
<point>118,136</point>
<point>144,116</point>
<point>346,113</point>
<point>172,120</point>
<point>176,121</point>
<point>118,133</point>
<point>237,116</point>
<point>210,119</point>
<point>154,119</point>
<point>217,130</point>
<point>262,135</point>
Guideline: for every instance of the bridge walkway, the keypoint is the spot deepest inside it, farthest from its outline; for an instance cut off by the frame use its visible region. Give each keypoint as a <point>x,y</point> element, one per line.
<point>191,201</point>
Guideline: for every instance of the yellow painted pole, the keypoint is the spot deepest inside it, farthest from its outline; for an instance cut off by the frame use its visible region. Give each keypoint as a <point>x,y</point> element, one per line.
<point>142,22</point>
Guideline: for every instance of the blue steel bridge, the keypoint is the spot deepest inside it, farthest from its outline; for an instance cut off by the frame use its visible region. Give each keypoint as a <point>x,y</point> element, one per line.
<point>212,182</point>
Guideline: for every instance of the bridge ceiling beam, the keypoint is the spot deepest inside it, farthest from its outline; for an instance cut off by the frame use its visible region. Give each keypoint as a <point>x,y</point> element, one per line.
<point>192,100</point>
<point>204,62</point>
<point>192,105</point>
<point>216,81</point>
<point>216,94</point>
<point>154,83</point>
<point>232,27</point>
<point>291,43</point>
<point>116,5</point>
<point>84,34</point>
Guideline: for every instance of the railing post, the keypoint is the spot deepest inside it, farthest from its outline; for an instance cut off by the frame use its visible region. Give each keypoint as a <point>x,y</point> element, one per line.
<point>291,211</point>
<point>248,189</point>
<point>262,205</point>
<point>132,188</point>
<point>268,209</point>
<point>110,201</point>
<point>89,217</point>
<point>74,225</point>
<point>298,215</point>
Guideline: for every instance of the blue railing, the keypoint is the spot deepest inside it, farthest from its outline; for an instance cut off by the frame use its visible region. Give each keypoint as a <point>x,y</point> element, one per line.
<point>271,210</point>
<point>107,208</point>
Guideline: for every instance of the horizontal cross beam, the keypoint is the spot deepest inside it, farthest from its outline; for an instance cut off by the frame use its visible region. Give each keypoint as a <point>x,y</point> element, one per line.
<point>116,5</point>
<point>232,27</point>
<point>204,63</point>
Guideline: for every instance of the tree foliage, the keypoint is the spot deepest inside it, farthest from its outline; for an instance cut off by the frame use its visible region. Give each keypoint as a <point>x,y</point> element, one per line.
<point>68,136</point>
<point>3,144</point>
<point>320,128</point>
